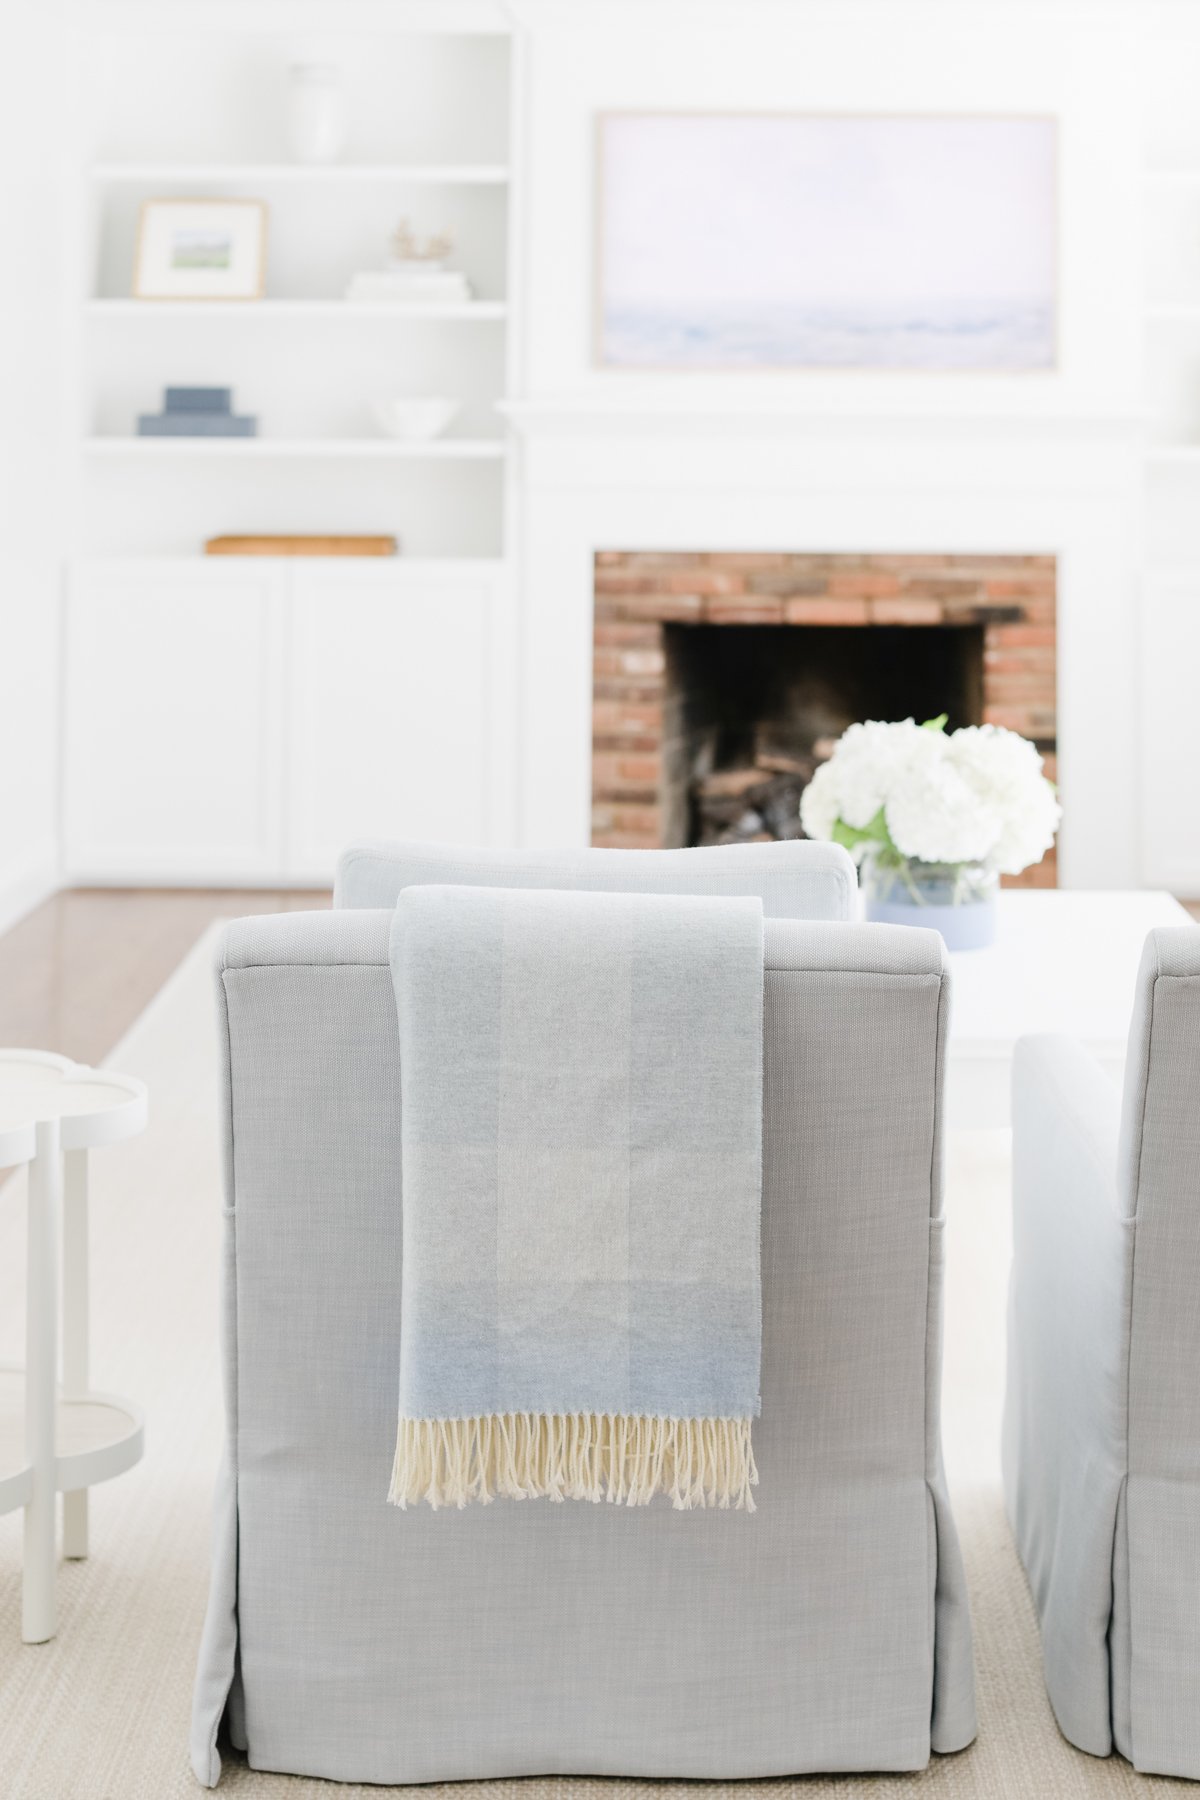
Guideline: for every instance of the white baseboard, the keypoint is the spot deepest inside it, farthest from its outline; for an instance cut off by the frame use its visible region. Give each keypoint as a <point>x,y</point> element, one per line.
<point>27,883</point>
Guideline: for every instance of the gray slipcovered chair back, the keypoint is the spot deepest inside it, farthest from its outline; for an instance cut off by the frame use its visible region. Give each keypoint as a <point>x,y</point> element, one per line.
<point>1102,1419</point>
<point>798,880</point>
<point>828,1630</point>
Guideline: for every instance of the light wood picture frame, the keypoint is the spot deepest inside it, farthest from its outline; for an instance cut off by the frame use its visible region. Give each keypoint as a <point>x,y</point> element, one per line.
<point>201,249</point>
<point>919,242</point>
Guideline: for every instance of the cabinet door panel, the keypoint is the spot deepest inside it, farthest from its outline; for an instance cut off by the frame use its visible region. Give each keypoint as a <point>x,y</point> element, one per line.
<point>171,723</point>
<point>391,690</point>
<point>1170,748</point>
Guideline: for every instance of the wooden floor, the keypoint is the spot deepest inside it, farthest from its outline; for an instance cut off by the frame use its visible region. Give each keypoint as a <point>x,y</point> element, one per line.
<point>76,972</point>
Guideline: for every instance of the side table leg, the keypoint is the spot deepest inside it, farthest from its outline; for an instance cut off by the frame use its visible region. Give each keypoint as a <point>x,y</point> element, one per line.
<point>75,1327</point>
<point>38,1613</point>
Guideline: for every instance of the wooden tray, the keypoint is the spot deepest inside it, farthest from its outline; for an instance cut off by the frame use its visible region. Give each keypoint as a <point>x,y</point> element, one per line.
<point>293,545</point>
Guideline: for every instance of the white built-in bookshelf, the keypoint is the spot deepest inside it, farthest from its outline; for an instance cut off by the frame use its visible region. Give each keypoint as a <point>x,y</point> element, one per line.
<point>240,718</point>
<point>203,114</point>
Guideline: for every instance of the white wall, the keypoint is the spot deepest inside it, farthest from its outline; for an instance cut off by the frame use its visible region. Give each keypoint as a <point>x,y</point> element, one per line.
<point>842,461</point>
<point>608,458</point>
<point>32,506</point>
<point>1073,59</point>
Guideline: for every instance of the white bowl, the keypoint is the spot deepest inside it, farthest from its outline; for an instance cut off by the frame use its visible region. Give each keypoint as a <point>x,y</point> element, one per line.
<point>415,415</point>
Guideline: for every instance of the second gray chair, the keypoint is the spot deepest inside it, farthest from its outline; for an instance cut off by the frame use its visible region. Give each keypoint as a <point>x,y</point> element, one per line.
<point>1102,1421</point>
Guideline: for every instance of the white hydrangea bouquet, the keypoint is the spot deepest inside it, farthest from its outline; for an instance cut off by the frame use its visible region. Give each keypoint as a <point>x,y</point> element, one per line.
<point>935,817</point>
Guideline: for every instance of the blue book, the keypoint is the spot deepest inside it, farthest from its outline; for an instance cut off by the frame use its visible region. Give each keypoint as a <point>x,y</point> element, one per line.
<point>198,400</point>
<point>209,425</point>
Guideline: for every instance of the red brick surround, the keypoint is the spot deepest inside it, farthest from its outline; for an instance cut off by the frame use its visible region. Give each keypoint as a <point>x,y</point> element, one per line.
<point>637,592</point>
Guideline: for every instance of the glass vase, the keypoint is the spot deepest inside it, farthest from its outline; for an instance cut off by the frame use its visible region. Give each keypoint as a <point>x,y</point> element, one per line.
<point>957,899</point>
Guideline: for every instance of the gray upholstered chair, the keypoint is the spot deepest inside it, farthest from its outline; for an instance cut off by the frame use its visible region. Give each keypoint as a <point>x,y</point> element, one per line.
<point>828,1630</point>
<point>1102,1421</point>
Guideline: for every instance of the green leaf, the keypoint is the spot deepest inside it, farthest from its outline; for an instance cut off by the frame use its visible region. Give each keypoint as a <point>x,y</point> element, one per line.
<point>938,724</point>
<point>852,837</point>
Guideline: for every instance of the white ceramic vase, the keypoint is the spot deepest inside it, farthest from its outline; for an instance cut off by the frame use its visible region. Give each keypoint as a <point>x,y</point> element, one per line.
<point>316,113</point>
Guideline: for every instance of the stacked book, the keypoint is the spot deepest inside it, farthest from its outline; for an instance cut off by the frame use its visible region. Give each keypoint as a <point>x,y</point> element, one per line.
<point>411,284</point>
<point>197,412</point>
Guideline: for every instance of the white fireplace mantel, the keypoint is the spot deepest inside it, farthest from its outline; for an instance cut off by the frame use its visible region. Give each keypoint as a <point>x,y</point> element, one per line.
<point>624,475</point>
<point>758,405</point>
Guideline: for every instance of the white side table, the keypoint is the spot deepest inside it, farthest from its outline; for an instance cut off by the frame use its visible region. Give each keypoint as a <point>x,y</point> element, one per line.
<point>59,1439</point>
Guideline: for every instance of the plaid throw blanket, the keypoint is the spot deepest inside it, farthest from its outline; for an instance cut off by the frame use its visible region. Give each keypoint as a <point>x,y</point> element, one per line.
<point>581,1084</point>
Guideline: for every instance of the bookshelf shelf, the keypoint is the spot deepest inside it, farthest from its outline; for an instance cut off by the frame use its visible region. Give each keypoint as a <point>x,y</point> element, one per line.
<point>165,174</point>
<point>298,310</point>
<point>398,449</point>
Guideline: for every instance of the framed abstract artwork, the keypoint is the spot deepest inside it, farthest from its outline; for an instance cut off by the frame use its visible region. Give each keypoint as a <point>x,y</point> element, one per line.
<point>826,242</point>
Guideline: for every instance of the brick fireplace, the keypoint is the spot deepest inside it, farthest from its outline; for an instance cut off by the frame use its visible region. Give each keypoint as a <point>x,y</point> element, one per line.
<point>691,727</point>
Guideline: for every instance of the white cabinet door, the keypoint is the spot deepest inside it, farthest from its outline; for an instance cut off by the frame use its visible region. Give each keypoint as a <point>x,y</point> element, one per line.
<point>172,722</point>
<point>1170,734</point>
<point>392,693</point>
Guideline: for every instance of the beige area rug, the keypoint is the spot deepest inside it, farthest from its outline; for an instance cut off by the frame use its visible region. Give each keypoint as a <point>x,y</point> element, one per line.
<point>101,1713</point>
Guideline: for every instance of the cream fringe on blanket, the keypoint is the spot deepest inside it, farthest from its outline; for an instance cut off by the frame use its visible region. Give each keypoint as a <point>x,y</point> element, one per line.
<point>574,1456</point>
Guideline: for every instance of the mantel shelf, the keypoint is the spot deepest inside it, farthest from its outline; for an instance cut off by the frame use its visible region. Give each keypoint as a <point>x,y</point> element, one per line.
<point>436,449</point>
<point>477,311</point>
<point>274,174</point>
<point>838,408</point>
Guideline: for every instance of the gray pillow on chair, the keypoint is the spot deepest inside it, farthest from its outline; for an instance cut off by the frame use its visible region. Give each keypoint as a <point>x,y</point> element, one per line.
<point>797,880</point>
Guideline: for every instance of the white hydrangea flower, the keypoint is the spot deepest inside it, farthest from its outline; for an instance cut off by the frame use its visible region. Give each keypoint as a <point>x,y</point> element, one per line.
<point>819,802</point>
<point>978,795</point>
<point>999,761</point>
<point>934,813</point>
<point>868,762</point>
<point>1027,834</point>
<point>1006,771</point>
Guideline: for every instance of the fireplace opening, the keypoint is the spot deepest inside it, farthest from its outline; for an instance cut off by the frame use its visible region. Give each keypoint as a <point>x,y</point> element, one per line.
<point>720,678</point>
<point>750,710</point>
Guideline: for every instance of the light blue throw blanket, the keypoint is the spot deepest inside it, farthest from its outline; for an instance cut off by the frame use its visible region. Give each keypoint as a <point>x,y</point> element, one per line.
<point>581,1090</point>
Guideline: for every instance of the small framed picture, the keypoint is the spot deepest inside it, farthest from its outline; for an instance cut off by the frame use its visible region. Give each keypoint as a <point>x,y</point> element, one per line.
<point>201,250</point>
